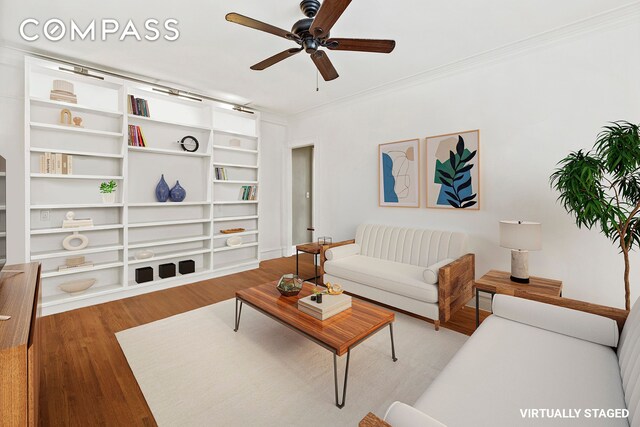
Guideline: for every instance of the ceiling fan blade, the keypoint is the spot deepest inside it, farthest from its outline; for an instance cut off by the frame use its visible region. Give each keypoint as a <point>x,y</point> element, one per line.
<point>258,25</point>
<point>361,45</point>
<point>327,16</point>
<point>275,59</point>
<point>324,65</point>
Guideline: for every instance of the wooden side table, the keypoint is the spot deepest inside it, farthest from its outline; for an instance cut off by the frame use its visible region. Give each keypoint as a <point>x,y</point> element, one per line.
<point>310,248</point>
<point>499,282</point>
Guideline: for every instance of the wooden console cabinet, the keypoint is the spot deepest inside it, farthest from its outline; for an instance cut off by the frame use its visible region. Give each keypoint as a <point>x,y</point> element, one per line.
<point>20,298</point>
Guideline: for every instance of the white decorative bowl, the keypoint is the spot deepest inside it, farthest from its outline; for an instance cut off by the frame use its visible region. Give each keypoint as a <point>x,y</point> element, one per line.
<point>145,254</point>
<point>63,86</point>
<point>234,241</point>
<point>77,286</point>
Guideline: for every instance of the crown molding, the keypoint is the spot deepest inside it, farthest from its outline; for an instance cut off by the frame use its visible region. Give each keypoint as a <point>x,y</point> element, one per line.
<point>617,17</point>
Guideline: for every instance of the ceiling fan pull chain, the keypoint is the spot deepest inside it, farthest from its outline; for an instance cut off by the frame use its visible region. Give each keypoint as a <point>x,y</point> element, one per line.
<point>317,81</point>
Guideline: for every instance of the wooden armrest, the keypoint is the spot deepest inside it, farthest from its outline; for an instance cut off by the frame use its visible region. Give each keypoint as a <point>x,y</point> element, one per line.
<point>325,248</point>
<point>617,314</point>
<point>455,285</point>
<point>370,420</point>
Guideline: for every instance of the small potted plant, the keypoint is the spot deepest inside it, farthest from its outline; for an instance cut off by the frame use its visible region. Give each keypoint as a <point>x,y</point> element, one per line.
<point>108,191</point>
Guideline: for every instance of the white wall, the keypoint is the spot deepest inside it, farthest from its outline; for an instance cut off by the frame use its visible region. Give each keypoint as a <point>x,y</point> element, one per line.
<point>12,148</point>
<point>273,138</point>
<point>532,109</point>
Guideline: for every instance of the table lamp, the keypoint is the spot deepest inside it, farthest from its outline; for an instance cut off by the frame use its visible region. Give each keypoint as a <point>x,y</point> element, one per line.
<point>521,237</point>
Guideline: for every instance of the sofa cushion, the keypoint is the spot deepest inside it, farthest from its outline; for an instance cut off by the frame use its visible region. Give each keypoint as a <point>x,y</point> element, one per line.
<point>574,323</point>
<point>394,277</point>
<point>414,246</point>
<point>342,251</point>
<point>629,360</point>
<point>431,273</point>
<point>507,366</point>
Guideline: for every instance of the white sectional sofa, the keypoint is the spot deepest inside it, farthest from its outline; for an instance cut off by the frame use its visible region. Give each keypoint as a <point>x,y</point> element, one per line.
<point>530,356</point>
<point>425,272</point>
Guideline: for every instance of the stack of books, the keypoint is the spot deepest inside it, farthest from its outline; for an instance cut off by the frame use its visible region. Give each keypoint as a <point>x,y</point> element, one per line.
<point>63,91</point>
<point>329,307</point>
<point>75,262</point>
<point>138,106</point>
<point>77,222</point>
<point>221,174</point>
<point>136,137</point>
<point>249,192</point>
<point>56,163</point>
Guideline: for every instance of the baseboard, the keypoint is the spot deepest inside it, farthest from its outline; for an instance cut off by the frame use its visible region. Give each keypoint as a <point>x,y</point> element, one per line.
<point>272,253</point>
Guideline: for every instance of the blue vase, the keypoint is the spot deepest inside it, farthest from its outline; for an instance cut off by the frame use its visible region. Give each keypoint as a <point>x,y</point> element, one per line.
<point>177,193</point>
<point>162,190</point>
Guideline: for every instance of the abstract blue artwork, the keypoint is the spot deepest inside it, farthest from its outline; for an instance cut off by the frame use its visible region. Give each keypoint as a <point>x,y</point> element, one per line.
<point>399,173</point>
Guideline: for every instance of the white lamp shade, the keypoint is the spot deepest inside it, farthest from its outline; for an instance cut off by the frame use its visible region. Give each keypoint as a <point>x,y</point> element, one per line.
<point>523,235</point>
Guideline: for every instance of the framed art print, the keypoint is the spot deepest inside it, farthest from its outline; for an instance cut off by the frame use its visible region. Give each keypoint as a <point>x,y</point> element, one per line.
<point>399,174</point>
<point>453,171</point>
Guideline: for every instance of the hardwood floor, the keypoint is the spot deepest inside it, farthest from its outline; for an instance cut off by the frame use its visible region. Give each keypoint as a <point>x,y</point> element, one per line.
<point>85,379</point>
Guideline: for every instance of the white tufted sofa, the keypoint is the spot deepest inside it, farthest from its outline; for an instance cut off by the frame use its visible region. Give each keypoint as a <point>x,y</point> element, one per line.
<point>425,272</point>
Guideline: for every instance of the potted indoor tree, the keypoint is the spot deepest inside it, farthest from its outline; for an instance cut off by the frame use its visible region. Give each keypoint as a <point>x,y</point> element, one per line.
<point>108,191</point>
<point>601,188</point>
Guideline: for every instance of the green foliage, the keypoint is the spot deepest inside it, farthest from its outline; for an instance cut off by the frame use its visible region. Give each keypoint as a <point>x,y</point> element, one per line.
<point>601,188</point>
<point>108,187</point>
<point>452,172</point>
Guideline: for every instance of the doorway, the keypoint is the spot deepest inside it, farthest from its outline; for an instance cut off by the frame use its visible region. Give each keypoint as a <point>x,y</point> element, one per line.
<point>302,194</point>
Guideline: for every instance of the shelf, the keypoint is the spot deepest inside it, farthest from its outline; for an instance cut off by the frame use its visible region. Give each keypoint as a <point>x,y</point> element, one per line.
<point>164,256</point>
<point>168,223</point>
<point>132,283</point>
<point>74,129</point>
<point>3,207</point>
<point>235,202</point>
<point>89,293</point>
<point>232,133</point>
<point>78,206</point>
<point>230,181</point>
<point>76,107</point>
<point>234,165</point>
<point>69,271</point>
<point>230,248</point>
<point>169,152</point>
<point>234,218</point>
<point>71,230</point>
<point>72,176</point>
<point>3,234</point>
<point>168,122</point>
<point>242,233</point>
<point>3,174</point>
<point>242,150</point>
<point>153,243</point>
<point>164,204</point>
<point>63,253</point>
<point>76,153</point>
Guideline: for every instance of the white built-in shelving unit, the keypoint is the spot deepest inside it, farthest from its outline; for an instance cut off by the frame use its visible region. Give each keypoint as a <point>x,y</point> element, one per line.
<point>188,230</point>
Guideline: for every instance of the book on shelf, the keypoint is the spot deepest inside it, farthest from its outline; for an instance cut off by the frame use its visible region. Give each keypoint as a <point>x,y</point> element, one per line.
<point>249,192</point>
<point>136,137</point>
<point>138,106</point>
<point>221,174</point>
<point>56,163</point>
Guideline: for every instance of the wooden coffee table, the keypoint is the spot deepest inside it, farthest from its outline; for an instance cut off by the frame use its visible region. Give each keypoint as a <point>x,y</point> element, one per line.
<point>338,334</point>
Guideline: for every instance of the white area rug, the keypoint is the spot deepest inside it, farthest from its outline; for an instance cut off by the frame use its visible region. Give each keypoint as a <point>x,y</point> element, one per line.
<point>195,371</point>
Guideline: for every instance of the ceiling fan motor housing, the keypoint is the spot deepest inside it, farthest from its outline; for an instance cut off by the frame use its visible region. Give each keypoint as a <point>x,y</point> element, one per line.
<point>309,7</point>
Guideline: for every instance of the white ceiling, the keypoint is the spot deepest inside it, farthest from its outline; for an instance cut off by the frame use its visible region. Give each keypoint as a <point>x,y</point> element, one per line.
<point>214,56</point>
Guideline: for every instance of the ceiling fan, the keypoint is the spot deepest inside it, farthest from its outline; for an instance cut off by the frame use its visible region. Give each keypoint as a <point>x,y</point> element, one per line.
<point>312,33</point>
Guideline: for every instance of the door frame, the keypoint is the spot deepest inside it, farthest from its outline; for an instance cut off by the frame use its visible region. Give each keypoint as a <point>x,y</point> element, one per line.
<point>288,163</point>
